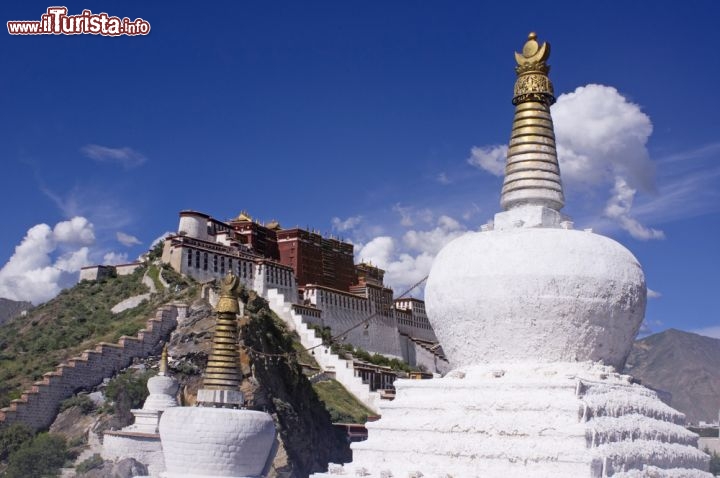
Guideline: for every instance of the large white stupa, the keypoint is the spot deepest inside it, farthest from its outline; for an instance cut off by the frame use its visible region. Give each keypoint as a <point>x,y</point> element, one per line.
<point>537,320</point>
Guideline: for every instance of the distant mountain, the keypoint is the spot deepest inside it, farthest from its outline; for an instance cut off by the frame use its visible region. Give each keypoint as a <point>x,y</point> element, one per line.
<point>686,365</point>
<point>11,308</point>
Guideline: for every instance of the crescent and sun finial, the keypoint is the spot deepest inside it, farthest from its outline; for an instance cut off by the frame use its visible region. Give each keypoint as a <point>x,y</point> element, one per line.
<point>532,52</point>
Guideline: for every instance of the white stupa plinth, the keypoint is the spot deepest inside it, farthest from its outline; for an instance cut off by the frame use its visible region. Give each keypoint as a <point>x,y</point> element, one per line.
<point>536,320</point>
<point>141,440</point>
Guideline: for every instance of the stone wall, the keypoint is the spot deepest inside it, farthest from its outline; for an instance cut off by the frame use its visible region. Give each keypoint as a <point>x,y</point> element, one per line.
<point>38,406</point>
<point>347,313</point>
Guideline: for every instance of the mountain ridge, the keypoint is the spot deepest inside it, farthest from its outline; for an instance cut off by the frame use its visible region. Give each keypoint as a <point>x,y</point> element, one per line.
<point>12,308</point>
<point>685,364</point>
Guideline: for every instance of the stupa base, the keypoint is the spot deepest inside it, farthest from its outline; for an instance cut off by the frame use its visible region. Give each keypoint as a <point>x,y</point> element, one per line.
<point>216,442</point>
<point>556,420</point>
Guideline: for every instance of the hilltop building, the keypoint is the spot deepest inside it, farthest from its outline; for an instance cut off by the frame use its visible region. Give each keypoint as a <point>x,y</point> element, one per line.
<point>316,277</point>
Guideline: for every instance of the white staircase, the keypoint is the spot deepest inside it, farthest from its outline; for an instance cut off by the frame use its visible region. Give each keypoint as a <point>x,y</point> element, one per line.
<point>329,362</point>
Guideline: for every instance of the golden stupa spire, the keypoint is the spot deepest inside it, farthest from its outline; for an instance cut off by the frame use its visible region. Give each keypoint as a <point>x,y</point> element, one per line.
<point>532,174</point>
<point>223,367</point>
<point>163,361</point>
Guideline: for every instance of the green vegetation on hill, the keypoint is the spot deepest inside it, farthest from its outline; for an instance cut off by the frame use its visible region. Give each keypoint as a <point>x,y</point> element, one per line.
<point>44,455</point>
<point>342,405</point>
<point>76,320</point>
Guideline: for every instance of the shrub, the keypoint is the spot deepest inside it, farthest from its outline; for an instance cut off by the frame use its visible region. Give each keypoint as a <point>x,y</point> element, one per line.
<point>91,463</point>
<point>45,455</point>
<point>13,438</point>
<point>128,390</point>
<point>714,462</point>
<point>83,401</point>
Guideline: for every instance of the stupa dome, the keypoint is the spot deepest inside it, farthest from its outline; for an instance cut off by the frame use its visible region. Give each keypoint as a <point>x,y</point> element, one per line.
<point>535,295</point>
<point>163,390</point>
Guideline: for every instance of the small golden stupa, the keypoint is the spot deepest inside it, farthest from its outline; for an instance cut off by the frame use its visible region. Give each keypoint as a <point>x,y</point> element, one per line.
<point>222,378</point>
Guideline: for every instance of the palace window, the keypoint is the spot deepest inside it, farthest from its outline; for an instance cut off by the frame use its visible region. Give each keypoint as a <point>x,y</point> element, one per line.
<point>189,258</point>
<point>197,259</point>
<point>205,261</point>
<point>215,263</point>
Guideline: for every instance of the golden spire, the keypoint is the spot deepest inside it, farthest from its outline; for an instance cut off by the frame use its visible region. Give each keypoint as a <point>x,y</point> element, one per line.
<point>223,367</point>
<point>532,174</point>
<point>163,361</point>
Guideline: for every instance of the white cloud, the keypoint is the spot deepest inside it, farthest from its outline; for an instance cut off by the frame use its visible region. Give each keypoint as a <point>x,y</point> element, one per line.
<point>73,261</point>
<point>126,157</point>
<point>115,258</point>
<point>489,158</point>
<point>443,178</point>
<point>76,231</point>
<point>127,239</point>
<point>712,331</point>
<point>618,208</point>
<point>653,294</point>
<point>47,260</point>
<point>378,251</point>
<point>601,140</point>
<point>347,224</point>
<point>161,238</point>
<point>433,240</point>
<point>409,216</point>
<point>408,261</point>
<point>600,136</point>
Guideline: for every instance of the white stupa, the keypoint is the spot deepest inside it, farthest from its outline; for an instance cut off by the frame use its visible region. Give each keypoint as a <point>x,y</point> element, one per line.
<point>537,320</point>
<point>141,440</point>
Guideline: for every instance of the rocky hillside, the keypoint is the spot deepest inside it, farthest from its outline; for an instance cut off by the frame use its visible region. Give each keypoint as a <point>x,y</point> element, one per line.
<point>12,308</point>
<point>274,381</point>
<point>686,365</point>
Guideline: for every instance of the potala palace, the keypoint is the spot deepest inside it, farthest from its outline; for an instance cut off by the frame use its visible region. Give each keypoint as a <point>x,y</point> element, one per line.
<point>312,276</point>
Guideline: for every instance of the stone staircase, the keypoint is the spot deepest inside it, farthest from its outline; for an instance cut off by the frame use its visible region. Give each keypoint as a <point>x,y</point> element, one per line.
<point>329,362</point>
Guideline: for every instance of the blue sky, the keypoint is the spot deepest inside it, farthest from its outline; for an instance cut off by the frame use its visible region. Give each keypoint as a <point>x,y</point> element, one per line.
<point>381,122</point>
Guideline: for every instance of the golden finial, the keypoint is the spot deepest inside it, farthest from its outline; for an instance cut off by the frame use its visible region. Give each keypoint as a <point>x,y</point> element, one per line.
<point>228,295</point>
<point>532,173</point>
<point>163,361</point>
<point>532,69</point>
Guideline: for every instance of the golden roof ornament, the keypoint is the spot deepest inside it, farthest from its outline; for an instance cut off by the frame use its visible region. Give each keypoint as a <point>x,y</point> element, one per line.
<point>533,83</point>
<point>532,172</point>
<point>243,216</point>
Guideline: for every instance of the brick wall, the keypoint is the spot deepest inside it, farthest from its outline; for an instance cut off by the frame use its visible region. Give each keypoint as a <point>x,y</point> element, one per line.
<point>38,406</point>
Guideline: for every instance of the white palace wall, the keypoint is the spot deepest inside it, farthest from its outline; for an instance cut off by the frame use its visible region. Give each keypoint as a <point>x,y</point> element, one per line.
<point>207,261</point>
<point>345,312</point>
